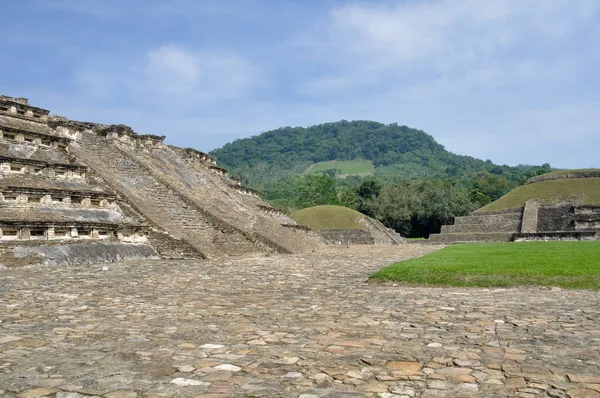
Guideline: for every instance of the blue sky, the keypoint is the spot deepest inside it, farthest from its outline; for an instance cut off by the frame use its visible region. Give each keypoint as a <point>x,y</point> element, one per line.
<point>514,81</point>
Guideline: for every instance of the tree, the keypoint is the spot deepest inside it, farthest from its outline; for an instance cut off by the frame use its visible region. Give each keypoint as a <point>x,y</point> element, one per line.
<point>419,208</point>
<point>317,189</point>
<point>369,189</point>
<point>394,207</point>
<point>493,186</point>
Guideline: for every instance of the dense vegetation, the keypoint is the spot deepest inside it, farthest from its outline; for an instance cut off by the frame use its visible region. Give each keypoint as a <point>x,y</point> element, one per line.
<point>574,265</point>
<point>397,152</point>
<point>397,174</point>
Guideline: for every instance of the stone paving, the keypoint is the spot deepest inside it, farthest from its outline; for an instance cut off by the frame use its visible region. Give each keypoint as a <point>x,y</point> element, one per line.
<point>288,326</point>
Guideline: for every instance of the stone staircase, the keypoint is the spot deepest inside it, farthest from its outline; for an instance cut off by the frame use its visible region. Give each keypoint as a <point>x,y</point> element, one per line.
<point>382,234</point>
<point>171,248</point>
<point>481,227</point>
<point>158,203</point>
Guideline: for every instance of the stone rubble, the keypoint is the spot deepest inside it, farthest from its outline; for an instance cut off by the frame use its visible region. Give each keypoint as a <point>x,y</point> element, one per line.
<point>288,326</point>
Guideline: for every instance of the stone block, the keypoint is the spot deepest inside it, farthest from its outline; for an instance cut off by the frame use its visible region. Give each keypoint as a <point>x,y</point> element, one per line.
<point>530,217</point>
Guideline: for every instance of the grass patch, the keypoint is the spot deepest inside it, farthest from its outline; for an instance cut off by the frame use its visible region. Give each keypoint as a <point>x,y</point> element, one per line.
<point>345,167</point>
<point>582,190</point>
<point>572,265</point>
<point>328,217</point>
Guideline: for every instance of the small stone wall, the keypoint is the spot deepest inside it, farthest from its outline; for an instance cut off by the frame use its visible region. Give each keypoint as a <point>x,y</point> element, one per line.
<point>77,254</point>
<point>195,155</point>
<point>41,231</point>
<point>19,107</point>
<point>347,236</point>
<point>511,210</point>
<point>125,135</point>
<point>560,235</point>
<point>556,218</point>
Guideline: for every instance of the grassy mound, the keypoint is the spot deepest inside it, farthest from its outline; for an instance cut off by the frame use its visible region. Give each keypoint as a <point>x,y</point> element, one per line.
<point>328,217</point>
<point>574,265</point>
<point>581,190</point>
<point>345,167</point>
<point>572,171</point>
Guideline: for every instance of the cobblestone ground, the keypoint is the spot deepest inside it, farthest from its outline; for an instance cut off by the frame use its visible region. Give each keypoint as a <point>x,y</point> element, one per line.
<point>288,326</point>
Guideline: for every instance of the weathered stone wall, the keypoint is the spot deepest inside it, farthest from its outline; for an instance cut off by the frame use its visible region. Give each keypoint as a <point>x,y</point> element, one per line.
<point>512,210</point>
<point>558,235</point>
<point>556,218</point>
<point>29,253</point>
<point>347,236</point>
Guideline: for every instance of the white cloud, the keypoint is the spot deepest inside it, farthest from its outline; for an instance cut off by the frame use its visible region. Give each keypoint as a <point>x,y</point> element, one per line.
<point>166,74</point>
<point>201,75</point>
<point>367,39</point>
<point>459,28</point>
<point>172,69</point>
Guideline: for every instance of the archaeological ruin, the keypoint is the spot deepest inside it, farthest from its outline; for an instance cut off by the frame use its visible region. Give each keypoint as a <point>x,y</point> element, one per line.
<point>74,192</point>
<point>563,218</point>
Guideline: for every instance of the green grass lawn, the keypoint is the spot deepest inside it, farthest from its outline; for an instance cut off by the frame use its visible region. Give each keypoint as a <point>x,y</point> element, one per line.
<point>586,190</point>
<point>328,217</point>
<point>346,167</point>
<point>573,265</point>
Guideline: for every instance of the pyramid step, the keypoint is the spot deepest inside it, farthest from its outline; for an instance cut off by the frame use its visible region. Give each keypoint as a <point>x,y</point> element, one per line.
<point>489,218</point>
<point>472,237</point>
<point>514,226</point>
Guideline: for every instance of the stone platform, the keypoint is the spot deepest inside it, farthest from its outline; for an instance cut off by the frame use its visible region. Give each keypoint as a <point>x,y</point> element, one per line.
<point>288,326</point>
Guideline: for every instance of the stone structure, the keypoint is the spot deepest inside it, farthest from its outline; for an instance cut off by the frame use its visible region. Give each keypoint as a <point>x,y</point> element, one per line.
<point>535,221</point>
<point>347,236</point>
<point>374,233</point>
<point>119,195</point>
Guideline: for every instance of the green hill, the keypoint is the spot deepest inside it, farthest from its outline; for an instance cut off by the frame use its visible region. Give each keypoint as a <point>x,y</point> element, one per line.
<point>328,217</point>
<point>395,152</point>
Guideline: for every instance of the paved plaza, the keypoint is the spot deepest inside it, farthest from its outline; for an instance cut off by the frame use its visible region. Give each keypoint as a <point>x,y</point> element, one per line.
<point>288,326</point>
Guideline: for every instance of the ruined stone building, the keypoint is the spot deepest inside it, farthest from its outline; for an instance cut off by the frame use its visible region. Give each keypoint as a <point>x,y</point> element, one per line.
<point>558,218</point>
<point>74,192</point>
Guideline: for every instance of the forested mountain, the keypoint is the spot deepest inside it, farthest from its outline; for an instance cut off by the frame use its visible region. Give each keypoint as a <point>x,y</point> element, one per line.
<point>397,174</point>
<point>397,152</point>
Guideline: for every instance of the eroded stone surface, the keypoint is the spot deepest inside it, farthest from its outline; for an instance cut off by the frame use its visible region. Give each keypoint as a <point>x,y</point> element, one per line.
<point>163,329</point>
